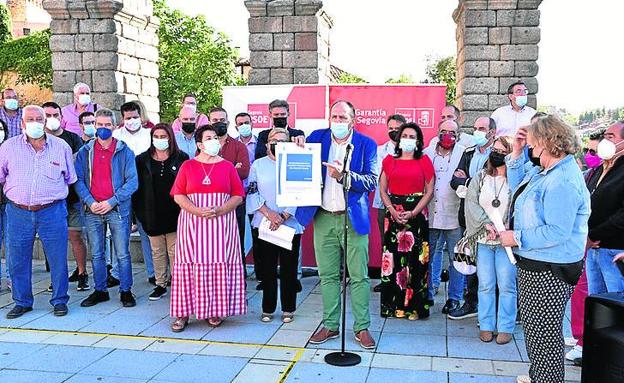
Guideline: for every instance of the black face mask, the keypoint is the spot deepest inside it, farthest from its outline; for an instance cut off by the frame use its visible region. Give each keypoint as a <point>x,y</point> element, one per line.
<point>534,160</point>
<point>221,128</point>
<point>272,147</point>
<point>393,135</point>
<point>280,122</point>
<point>497,159</point>
<point>188,127</point>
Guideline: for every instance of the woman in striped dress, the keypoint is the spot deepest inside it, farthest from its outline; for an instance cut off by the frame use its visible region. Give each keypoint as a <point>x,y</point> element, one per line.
<point>208,278</point>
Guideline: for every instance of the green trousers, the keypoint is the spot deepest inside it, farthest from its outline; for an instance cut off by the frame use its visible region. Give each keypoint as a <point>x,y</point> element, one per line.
<point>328,243</point>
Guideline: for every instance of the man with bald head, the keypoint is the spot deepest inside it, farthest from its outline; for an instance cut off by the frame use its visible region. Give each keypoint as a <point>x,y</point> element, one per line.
<point>186,136</point>
<point>443,212</point>
<point>36,169</point>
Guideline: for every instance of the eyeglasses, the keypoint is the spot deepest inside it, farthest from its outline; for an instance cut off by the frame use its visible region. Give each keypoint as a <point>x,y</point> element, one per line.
<point>590,151</point>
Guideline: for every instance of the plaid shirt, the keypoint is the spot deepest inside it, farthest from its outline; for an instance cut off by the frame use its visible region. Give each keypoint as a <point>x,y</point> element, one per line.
<point>14,123</point>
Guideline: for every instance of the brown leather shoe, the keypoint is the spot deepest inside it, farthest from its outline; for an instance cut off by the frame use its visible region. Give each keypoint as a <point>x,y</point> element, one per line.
<point>365,339</point>
<point>323,335</point>
<point>486,336</point>
<point>503,338</point>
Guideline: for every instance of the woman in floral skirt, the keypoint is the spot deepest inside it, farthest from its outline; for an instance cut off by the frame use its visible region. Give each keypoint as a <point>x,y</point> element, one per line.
<point>406,186</point>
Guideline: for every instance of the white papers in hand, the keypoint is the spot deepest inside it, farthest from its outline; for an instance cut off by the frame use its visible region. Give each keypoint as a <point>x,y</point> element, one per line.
<point>281,237</point>
<point>497,220</point>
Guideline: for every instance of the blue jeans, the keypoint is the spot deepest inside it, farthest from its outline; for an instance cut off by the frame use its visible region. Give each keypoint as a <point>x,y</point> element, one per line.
<point>120,233</point>
<point>494,269</point>
<point>51,226</point>
<point>146,248</point>
<point>437,238</point>
<point>603,276</point>
<point>3,242</point>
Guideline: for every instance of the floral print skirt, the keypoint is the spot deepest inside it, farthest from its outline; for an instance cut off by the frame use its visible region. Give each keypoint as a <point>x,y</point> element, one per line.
<point>404,262</point>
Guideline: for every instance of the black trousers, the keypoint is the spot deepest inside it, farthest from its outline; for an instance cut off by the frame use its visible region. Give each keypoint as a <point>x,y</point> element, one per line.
<point>288,260</point>
<point>241,216</point>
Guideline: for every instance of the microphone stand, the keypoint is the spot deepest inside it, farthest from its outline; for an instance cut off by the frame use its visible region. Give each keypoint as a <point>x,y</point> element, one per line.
<point>342,358</point>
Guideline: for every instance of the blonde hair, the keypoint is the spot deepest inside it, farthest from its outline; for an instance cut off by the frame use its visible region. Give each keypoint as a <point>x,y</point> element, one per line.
<point>276,131</point>
<point>507,142</point>
<point>555,136</point>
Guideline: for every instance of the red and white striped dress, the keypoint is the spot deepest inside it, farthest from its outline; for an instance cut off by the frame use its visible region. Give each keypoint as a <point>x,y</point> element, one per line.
<point>208,278</point>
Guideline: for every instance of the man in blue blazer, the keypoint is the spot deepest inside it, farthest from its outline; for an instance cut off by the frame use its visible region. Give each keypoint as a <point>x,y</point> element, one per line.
<point>329,222</point>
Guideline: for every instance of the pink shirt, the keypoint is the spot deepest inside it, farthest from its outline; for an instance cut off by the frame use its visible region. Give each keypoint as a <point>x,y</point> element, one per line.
<point>202,119</point>
<point>70,117</point>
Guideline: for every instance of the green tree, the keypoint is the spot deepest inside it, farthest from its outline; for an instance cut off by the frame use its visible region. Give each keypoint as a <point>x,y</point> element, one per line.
<point>30,57</point>
<point>443,71</point>
<point>193,58</point>
<point>349,78</point>
<point>5,24</point>
<point>402,79</point>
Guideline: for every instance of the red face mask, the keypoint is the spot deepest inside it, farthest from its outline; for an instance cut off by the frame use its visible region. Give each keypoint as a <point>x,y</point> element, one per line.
<point>447,140</point>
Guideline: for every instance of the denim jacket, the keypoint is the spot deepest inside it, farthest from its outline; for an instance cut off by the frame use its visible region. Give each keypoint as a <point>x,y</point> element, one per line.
<point>124,175</point>
<point>550,216</point>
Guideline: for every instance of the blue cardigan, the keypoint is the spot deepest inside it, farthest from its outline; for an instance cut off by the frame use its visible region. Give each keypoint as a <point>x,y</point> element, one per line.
<point>363,178</point>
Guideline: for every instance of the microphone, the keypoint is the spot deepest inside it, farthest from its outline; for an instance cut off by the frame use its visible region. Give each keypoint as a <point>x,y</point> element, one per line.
<point>347,158</point>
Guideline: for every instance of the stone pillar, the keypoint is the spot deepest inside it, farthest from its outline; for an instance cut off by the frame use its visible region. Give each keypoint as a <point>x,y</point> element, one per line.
<point>111,45</point>
<point>288,42</point>
<point>497,44</point>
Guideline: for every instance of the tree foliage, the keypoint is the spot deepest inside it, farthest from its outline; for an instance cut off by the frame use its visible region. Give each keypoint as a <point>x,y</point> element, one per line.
<point>5,24</point>
<point>193,58</point>
<point>443,71</point>
<point>349,78</point>
<point>602,115</point>
<point>30,57</point>
<point>402,79</point>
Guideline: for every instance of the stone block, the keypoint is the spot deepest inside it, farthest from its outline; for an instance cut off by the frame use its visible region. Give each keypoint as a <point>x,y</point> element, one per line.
<point>84,76</point>
<point>500,35</point>
<point>532,101</point>
<point>125,46</point>
<point>300,24</point>
<point>473,85</point>
<point>100,60</point>
<point>111,100</point>
<point>256,8</point>
<point>261,41</point>
<point>306,41</point>
<point>270,59</point>
<point>128,64</point>
<point>300,59</point>
<point>132,83</point>
<point>475,4</point>
<point>149,87</point>
<point>518,18</point>
<point>525,35</point>
<point>281,8</point>
<point>526,69</point>
<point>479,18</point>
<point>63,98</point>
<point>502,4</point>
<point>495,101</point>
<point>476,69</point>
<point>147,52</point>
<point>106,81</point>
<point>66,61</point>
<point>151,103</point>
<point>284,41</point>
<point>148,68</point>
<point>501,68</point>
<point>519,52</point>
<point>306,76</point>
<point>63,81</point>
<point>474,102</point>
<point>106,42</point>
<point>130,32</point>
<point>307,7</point>
<point>62,43</point>
<point>84,43</point>
<point>265,24</point>
<point>97,26</point>
<point>480,53</point>
<point>64,26</point>
<point>281,76</point>
<point>531,84</point>
<point>529,4</point>
<point>77,9</point>
<point>259,76</point>
<point>469,117</point>
<point>475,36</point>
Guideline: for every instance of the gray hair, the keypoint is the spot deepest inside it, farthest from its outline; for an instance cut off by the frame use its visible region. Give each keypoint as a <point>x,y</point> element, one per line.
<point>104,112</point>
<point>36,108</point>
<point>79,86</point>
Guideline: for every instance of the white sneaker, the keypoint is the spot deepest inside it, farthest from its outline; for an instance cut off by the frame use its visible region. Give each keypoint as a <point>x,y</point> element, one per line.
<point>523,379</point>
<point>575,353</point>
<point>570,342</point>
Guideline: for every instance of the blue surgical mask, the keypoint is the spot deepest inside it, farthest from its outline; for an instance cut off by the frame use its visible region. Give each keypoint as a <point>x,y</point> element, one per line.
<point>480,138</point>
<point>89,130</point>
<point>34,129</point>
<point>11,103</point>
<point>407,144</point>
<point>212,147</point>
<point>104,133</point>
<point>522,100</point>
<point>244,130</point>
<point>340,130</point>
<point>161,143</point>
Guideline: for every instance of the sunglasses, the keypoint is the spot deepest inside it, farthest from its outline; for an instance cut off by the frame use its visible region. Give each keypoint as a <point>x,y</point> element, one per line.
<point>590,151</point>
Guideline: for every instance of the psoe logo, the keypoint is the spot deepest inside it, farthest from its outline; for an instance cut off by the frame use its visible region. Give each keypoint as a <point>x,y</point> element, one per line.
<point>424,117</point>
<point>261,119</point>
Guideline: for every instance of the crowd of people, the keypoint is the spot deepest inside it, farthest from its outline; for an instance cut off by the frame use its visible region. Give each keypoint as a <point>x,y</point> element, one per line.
<point>520,181</point>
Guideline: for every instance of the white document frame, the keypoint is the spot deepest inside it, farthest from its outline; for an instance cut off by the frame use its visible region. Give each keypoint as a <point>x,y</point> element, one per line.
<point>296,188</point>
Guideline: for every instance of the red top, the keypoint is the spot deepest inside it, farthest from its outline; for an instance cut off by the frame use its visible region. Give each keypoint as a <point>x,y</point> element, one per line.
<point>235,151</point>
<point>102,173</point>
<point>222,175</point>
<point>407,176</point>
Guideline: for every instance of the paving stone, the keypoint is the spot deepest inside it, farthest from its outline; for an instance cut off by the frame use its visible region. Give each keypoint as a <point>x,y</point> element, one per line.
<point>433,345</point>
<point>237,332</point>
<point>294,338</point>
<point>463,365</point>
<point>472,378</point>
<point>473,348</point>
<point>61,358</point>
<point>124,343</point>
<point>242,351</point>
<point>145,364</point>
<point>185,369</point>
<point>176,347</point>
<point>80,378</point>
<point>316,372</point>
<point>20,376</point>
<point>403,362</point>
<point>405,376</point>
<point>255,372</point>
<point>13,352</point>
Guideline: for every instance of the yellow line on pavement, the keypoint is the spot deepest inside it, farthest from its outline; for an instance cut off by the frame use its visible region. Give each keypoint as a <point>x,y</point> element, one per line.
<point>288,369</point>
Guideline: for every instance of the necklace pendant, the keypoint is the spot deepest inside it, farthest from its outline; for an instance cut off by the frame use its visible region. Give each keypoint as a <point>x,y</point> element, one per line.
<point>206,181</point>
<point>496,202</point>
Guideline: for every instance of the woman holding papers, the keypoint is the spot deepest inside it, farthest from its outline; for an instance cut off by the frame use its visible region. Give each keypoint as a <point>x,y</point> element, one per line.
<point>487,201</point>
<point>208,279</point>
<point>406,187</point>
<point>280,230</point>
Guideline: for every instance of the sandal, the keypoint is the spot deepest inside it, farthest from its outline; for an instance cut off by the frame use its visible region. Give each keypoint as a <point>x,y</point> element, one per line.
<point>413,316</point>
<point>288,317</point>
<point>179,324</point>
<point>266,318</point>
<point>399,314</point>
<point>214,322</point>
<point>486,336</point>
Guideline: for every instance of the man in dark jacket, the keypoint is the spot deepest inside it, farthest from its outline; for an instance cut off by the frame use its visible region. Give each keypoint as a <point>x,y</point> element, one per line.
<point>279,110</point>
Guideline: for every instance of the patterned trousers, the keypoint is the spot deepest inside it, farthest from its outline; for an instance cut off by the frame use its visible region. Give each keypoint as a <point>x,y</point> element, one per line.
<point>543,298</point>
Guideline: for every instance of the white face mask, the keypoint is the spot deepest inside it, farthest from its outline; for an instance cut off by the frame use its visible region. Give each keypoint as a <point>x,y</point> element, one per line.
<point>11,103</point>
<point>34,129</point>
<point>212,147</point>
<point>84,99</point>
<point>53,123</point>
<point>161,143</point>
<point>606,150</point>
<point>133,124</point>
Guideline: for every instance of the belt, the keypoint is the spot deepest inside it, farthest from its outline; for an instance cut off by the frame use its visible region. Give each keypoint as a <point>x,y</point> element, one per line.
<point>34,207</point>
<point>339,212</point>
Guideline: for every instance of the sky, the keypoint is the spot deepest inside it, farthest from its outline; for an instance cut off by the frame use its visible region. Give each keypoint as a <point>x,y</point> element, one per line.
<point>581,58</point>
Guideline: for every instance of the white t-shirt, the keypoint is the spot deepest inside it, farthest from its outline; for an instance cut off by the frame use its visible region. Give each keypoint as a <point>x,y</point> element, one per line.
<point>333,192</point>
<point>491,188</point>
<point>508,120</point>
<point>138,142</point>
